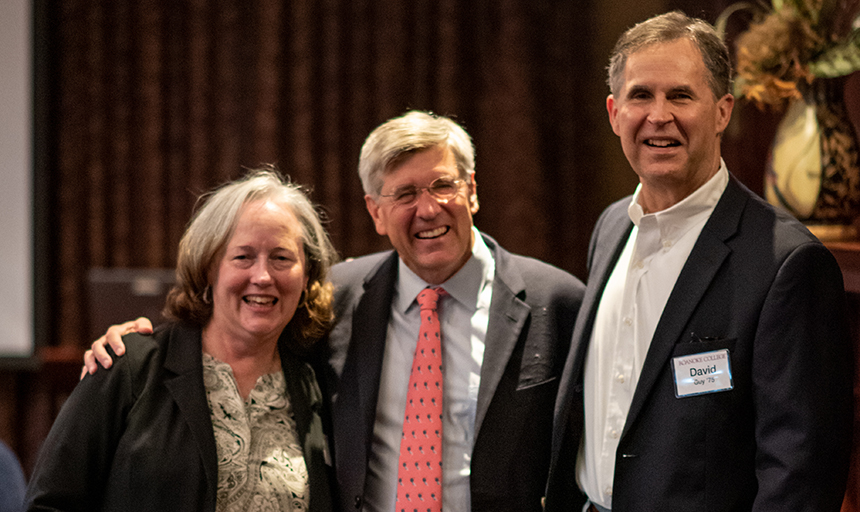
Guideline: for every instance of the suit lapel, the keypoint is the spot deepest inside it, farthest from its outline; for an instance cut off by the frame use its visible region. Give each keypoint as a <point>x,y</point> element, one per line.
<point>355,408</point>
<point>369,329</point>
<point>702,265</point>
<point>305,400</point>
<point>508,315</point>
<point>185,361</point>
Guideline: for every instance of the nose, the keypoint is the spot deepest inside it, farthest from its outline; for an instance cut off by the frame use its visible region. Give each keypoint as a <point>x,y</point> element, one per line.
<point>426,205</point>
<point>661,112</point>
<point>260,274</point>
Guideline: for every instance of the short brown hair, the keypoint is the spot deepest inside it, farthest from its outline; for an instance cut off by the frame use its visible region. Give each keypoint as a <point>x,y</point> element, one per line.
<point>666,28</point>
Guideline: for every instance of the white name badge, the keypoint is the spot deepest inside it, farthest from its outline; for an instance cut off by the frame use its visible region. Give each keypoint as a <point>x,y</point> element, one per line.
<point>707,372</point>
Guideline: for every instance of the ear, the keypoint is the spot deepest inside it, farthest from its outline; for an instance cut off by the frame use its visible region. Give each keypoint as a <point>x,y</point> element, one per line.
<point>473,194</point>
<point>725,105</point>
<point>612,110</point>
<point>376,214</point>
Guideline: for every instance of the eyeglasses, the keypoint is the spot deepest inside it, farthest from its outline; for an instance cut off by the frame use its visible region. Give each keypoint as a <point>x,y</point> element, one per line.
<point>441,189</point>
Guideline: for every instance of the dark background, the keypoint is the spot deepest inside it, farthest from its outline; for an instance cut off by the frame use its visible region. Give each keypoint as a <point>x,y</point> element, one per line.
<point>142,105</point>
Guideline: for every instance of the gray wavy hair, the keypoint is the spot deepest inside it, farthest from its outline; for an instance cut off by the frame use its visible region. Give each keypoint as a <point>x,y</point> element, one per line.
<point>396,139</point>
<point>213,225</point>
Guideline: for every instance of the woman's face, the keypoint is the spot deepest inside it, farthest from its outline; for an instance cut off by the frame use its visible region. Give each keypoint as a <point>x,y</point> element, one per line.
<point>258,282</point>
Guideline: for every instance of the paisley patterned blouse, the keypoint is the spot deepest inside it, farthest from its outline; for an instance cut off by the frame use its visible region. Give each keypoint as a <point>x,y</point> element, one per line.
<point>260,463</point>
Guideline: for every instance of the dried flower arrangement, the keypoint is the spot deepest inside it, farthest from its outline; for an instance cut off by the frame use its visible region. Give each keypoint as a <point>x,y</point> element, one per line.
<point>792,42</point>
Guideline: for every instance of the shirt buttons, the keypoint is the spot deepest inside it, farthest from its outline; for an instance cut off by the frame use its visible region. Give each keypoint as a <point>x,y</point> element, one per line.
<point>613,433</point>
<point>667,244</point>
<point>627,321</point>
<point>620,378</point>
<point>608,491</point>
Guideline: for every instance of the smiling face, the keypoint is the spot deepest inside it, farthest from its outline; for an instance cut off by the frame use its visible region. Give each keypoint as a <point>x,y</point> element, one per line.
<point>433,238</point>
<point>260,276</point>
<point>669,122</point>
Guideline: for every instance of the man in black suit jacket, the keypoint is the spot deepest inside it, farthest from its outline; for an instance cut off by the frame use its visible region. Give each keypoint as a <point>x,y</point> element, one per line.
<point>711,366</point>
<point>513,316</point>
<point>497,432</point>
<point>532,309</point>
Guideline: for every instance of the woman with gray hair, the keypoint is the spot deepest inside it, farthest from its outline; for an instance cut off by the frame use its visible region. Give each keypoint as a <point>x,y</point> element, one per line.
<point>216,410</point>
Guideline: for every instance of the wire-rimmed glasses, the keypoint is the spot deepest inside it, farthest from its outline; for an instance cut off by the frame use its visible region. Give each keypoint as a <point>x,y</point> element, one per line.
<point>442,189</point>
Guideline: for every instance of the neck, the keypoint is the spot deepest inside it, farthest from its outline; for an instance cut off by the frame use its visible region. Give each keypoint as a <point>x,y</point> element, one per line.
<point>656,199</point>
<point>657,195</point>
<point>439,276</point>
<point>249,360</point>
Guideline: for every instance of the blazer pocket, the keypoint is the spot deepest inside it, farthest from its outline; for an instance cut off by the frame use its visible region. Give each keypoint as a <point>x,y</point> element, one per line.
<point>686,348</point>
<point>525,384</point>
<point>541,359</point>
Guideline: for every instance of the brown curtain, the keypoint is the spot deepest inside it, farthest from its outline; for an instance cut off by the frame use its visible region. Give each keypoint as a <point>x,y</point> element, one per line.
<point>142,105</point>
<point>151,102</point>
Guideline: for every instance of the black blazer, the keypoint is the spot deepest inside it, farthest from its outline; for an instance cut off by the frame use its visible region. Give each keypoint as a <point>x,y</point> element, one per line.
<point>531,319</point>
<point>759,284</point>
<point>139,435</point>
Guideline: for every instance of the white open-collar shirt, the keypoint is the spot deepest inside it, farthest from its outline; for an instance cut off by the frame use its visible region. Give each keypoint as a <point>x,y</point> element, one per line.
<point>627,316</point>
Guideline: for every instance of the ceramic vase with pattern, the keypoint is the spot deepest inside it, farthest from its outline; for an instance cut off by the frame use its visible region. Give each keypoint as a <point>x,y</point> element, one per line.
<point>813,167</point>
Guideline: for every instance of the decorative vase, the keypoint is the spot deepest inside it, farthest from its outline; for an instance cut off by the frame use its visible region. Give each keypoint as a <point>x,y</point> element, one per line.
<point>813,170</point>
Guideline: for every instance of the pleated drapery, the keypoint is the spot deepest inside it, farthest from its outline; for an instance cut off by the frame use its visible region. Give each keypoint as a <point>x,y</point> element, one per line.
<point>149,103</point>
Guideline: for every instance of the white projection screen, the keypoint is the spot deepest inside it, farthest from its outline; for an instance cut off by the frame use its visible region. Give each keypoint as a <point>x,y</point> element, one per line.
<point>16,168</point>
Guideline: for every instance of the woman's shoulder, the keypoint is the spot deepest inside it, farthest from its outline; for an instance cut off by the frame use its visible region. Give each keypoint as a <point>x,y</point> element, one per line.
<point>168,344</point>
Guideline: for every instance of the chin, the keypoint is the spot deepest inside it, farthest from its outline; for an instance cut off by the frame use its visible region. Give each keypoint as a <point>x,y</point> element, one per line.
<point>263,329</point>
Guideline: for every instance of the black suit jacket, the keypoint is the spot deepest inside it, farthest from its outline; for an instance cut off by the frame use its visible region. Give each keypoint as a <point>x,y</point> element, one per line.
<point>759,284</point>
<point>139,435</point>
<point>531,319</point>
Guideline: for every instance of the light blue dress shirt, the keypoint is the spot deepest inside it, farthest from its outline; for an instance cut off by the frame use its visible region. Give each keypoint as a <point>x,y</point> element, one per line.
<point>464,316</point>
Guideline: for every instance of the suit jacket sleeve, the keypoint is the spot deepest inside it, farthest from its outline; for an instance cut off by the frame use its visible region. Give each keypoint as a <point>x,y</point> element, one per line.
<point>76,457</point>
<point>801,383</point>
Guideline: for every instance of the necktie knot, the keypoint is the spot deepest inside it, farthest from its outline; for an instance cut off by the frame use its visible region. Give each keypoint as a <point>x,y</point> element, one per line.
<point>429,298</point>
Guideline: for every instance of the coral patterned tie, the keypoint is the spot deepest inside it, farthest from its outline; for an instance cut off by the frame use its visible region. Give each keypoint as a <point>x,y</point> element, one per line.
<point>419,475</point>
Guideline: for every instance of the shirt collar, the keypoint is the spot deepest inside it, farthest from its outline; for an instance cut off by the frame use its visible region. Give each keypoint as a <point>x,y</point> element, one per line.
<point>676,219</point>
<point>464,286</point>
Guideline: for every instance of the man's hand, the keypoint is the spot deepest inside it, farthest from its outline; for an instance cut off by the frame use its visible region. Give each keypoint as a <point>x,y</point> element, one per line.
<point>98,353</point>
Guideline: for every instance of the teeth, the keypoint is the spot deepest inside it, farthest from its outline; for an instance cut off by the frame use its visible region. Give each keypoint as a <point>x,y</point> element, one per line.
<point>433,233</point>
<point>254,299</point>
<point>662,143</point>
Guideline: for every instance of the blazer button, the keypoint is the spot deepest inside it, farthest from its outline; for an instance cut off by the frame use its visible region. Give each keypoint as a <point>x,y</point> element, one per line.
<point>358,502</point>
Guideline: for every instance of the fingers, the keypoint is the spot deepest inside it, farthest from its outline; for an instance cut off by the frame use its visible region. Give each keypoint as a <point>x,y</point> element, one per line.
<point>98,354</point>
<point>142,325</point>
<point>90,363</point>
<point>113,337</point>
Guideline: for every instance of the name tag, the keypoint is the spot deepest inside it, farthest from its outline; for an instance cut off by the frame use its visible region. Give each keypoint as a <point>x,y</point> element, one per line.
<point>708,372</point>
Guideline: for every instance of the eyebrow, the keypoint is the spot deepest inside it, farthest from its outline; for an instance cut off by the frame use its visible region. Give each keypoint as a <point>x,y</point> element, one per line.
<point>251,248</point>
<point>636,89</point>
<point>683,89</point>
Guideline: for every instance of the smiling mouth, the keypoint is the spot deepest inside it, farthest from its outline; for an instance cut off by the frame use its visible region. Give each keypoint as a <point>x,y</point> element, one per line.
<point>662,143</point>
<point>256,300</point>
<point>432,233</point>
